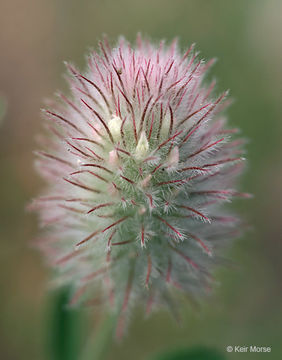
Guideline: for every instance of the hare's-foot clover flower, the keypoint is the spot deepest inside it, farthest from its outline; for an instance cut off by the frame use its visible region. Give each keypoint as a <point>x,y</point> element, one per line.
<point>138,164</point>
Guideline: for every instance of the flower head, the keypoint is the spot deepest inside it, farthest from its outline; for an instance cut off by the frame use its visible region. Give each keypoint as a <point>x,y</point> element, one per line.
<point>138,164</point>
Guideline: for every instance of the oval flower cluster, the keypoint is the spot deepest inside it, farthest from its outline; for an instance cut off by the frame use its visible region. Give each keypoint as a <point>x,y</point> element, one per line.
<point>138,164</point>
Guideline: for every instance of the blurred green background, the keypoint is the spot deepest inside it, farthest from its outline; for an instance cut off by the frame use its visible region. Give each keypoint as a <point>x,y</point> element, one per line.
<point>246,36</point>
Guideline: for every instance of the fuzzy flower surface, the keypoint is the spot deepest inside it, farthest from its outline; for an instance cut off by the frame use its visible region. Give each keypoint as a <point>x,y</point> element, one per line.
<point>138,164</point>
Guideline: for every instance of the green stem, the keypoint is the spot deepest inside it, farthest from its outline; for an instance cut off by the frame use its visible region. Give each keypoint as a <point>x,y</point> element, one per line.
<point>99,343</point>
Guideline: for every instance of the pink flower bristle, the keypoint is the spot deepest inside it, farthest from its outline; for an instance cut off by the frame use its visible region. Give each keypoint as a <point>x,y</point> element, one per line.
<point>138,165</point>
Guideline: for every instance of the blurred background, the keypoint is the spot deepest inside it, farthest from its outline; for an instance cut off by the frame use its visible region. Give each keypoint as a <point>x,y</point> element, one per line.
<point>36,36</point>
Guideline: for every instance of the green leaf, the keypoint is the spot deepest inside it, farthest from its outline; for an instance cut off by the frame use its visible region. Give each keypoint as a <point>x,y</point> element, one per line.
<point>194,353</point>
<point>3,108</point>
<point>64,329</point>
